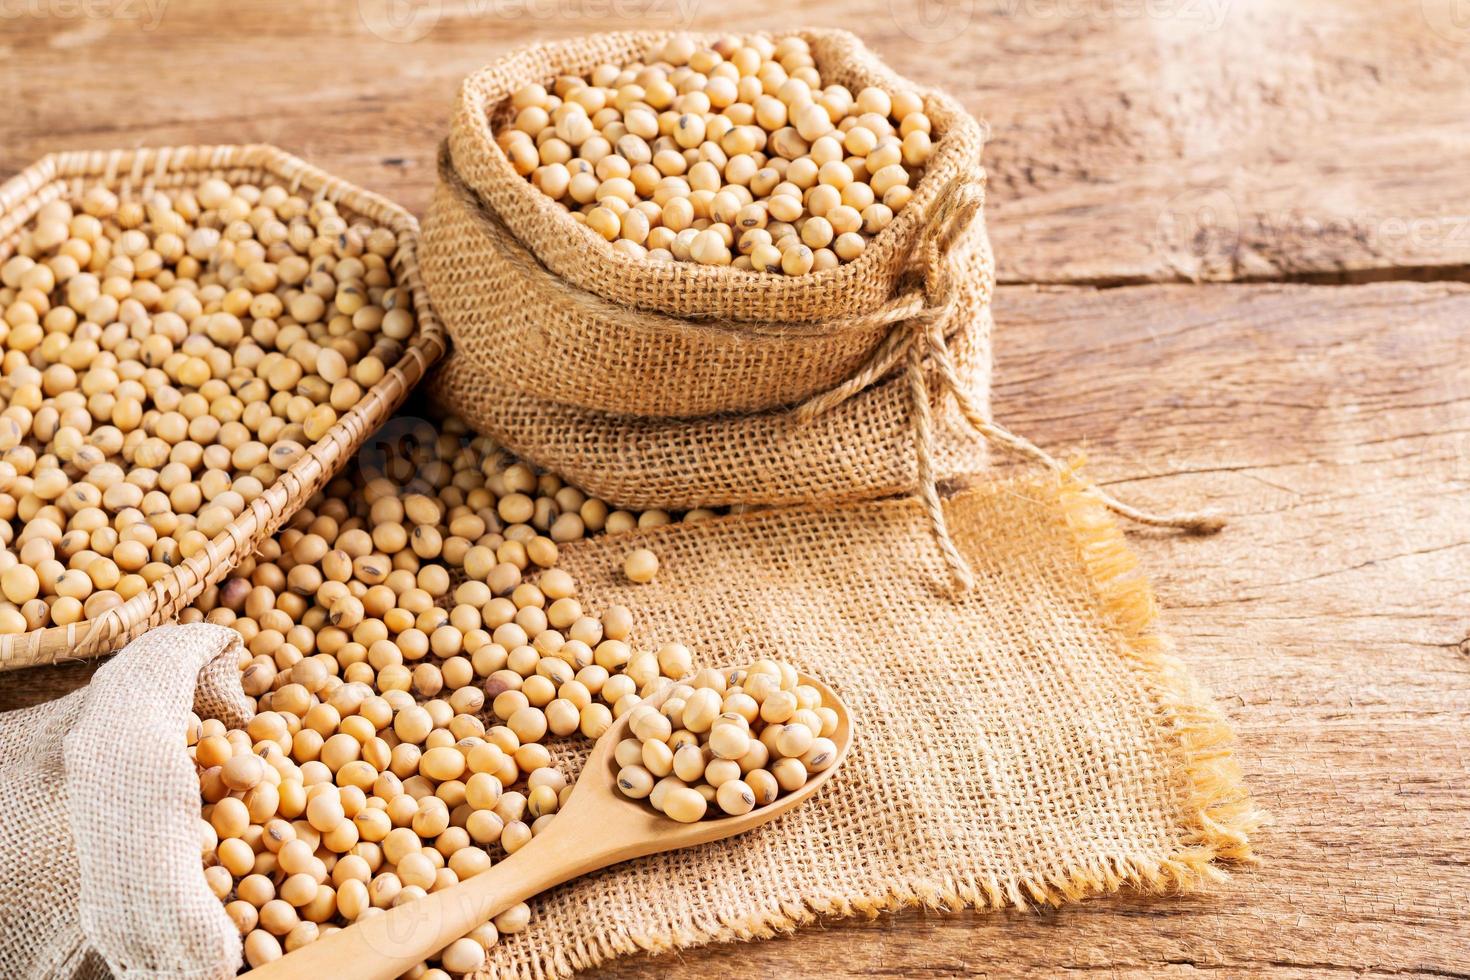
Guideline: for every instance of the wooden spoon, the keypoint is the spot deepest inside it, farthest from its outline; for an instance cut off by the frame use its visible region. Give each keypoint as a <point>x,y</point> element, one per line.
<point>598,826</point>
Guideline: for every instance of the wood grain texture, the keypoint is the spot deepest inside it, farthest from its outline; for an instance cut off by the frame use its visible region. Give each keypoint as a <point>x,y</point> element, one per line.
<point>1227,140</point>
<point>1332,423</point>
<point>1177,139</point>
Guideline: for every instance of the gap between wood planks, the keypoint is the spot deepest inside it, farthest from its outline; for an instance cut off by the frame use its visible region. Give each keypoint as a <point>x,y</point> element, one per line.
<point>1345,277</point>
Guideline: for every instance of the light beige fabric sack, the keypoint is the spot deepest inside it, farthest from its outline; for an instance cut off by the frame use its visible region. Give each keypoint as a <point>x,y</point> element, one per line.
<point>100,870</point>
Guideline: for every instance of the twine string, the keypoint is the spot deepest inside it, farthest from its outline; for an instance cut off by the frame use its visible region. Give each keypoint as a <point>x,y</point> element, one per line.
<point>954,209</point>
<point>922,341</point>
<point>928,486</point>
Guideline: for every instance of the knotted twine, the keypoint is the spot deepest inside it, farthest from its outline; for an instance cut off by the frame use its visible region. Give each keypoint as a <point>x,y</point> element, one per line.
<point>920,339</point>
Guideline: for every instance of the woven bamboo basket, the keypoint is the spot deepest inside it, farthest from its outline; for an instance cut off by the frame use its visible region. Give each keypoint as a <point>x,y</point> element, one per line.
<point>139,172</point>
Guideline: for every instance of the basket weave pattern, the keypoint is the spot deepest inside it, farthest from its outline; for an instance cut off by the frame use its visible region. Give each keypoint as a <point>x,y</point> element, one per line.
<point>133,173</point>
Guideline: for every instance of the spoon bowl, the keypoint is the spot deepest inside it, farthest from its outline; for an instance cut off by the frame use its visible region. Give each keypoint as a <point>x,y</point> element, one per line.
<point>598,827</point>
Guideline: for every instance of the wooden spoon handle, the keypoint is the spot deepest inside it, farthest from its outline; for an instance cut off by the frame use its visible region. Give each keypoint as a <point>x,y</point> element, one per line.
<point>384,946</point>
<point>598,827</point>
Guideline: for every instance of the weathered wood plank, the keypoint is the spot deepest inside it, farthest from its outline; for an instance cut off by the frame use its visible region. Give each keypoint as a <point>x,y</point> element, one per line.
<point>1221,139</point>
<point>1134,140</point>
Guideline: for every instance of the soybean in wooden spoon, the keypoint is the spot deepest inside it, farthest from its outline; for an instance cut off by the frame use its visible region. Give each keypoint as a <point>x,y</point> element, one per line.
<point>598,826</point>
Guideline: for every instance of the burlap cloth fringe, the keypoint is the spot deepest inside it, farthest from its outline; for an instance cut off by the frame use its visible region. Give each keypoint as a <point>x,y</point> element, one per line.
<point>1032,742</point>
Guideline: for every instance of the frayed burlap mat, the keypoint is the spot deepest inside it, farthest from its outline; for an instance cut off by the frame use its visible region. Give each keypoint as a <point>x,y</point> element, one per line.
<point>1030,742</point>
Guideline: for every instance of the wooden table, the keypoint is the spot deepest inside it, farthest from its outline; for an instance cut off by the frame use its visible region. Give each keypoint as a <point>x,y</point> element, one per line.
<point>1233,235</point>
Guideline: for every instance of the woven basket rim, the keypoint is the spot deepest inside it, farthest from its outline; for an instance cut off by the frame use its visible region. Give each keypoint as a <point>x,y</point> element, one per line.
<point>600,262</point>
<point>140,168</point>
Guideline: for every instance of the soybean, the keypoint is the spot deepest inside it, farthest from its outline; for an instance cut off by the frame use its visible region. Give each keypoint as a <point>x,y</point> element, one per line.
<point>726,743</point>
<point>737,154</point>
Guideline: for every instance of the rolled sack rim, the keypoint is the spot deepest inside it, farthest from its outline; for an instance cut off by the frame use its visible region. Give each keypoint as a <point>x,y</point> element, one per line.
<point>954,236</point>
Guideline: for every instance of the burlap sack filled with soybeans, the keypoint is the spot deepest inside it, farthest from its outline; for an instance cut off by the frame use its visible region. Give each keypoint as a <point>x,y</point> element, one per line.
<point>679,385</point>
<point>1023,736</point>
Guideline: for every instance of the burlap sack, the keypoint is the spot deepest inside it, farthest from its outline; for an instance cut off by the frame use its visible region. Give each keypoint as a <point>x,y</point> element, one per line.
<point>694,385</point>
<point>1031,742</point>
<point>99,818</point>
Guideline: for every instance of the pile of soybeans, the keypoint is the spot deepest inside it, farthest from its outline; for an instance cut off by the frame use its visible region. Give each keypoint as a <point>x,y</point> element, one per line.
<point>162,361</point>
<point>735,154</point>
<point>413,649</point>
